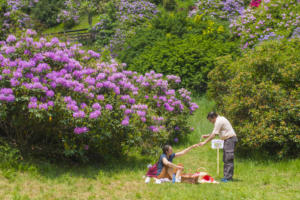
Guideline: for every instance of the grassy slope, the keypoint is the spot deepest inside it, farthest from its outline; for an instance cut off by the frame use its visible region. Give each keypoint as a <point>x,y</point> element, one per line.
<point>82,24</point>
<point>123,180</point>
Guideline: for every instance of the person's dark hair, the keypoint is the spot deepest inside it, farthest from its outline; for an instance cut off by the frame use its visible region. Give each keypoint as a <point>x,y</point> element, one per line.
<point>165,148</point>
<point>212,115</point>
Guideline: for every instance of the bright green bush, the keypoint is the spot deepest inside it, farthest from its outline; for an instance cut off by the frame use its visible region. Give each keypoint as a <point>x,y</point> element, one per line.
<point>181,46</point>
<point>260,94</point>
<point>144,37</point>
<point>175,23</point>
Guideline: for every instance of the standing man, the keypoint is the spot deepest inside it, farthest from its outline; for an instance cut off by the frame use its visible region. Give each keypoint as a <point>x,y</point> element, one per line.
<point>223,127</point>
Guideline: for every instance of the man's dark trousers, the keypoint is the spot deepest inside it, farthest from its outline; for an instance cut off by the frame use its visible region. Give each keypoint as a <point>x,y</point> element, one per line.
<point>228,157</point>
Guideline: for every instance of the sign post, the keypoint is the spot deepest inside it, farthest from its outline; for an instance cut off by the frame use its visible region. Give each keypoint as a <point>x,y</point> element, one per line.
<point>217,144</point>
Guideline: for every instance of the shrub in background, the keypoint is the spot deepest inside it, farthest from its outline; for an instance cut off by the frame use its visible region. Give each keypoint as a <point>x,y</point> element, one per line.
<point>222,9</point>
<point>259,93</point>
<point>157,2</point>
<point>186,47</point>
<point>46,12</point>
<point>270,20</point>
<point>169,5</point>
<point>12,18</point>
<point>70,14</point>
<point>56,98</point>
<point>119,22</point>
<point>167,23</point>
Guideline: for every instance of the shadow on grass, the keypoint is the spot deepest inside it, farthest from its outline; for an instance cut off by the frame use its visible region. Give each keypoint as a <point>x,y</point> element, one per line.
<point>91,170</point>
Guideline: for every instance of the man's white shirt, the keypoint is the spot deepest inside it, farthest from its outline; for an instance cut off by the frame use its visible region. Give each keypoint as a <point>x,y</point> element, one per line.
<point>223,128</point>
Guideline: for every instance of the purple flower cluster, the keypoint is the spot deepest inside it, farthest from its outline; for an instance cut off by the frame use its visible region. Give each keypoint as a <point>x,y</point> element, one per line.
<point>133,11</point>
<point>174,78</point>
<point>79,130</point>
<point>6,94</point>
<point>156,129</point>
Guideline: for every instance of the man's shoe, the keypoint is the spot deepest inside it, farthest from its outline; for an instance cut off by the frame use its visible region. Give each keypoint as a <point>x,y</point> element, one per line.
<point>225,180</point>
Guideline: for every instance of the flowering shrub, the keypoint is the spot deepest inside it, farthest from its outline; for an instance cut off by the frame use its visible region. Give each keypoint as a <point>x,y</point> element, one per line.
<point>58,98</point>
<point>70,15</point>
<point>227,9</point>
<point>271,20</point>
<point>260,94</point>
<point>12,17</point>
<point>22,14</point>
<point>122,18</point>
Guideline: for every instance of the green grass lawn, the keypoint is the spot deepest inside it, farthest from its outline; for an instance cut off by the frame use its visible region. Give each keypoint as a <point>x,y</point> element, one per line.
<point>254,179</point>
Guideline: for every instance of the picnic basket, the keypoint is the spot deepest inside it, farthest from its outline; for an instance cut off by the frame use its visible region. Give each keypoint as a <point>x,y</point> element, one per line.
<point>192,177</point>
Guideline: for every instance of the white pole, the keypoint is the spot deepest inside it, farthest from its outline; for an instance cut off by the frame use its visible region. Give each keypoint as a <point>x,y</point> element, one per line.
<point>218,170</point>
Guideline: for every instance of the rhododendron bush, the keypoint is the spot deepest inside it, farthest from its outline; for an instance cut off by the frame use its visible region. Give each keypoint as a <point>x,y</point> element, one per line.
<point>59,99</point>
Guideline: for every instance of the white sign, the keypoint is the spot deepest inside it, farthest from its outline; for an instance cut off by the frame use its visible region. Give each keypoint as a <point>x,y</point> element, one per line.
<point>217,144</point>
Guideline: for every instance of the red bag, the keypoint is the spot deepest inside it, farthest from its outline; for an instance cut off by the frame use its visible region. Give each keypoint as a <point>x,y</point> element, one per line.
<point>152,171</point>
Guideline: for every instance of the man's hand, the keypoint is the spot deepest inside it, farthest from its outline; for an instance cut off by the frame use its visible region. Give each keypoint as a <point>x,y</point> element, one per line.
<point>205,136</point>
<point>201,144</point>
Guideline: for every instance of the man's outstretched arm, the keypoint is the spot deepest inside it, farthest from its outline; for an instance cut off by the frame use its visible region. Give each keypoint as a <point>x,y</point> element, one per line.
<point>210,137</point>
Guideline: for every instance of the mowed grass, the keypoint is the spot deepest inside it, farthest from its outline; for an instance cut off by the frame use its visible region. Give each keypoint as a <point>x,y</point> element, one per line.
<point>255,179</point>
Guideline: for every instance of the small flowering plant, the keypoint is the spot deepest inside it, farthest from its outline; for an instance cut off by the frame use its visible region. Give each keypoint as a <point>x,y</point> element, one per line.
<point>265,20</point>
<point>70,14</point>
<point>58,96</point>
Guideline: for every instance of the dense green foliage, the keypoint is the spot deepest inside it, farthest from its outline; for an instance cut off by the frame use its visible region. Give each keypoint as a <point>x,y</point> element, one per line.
<point>260,94</point>
<point>175,44</point>
<point>45,12</point>
<point>190,58</point>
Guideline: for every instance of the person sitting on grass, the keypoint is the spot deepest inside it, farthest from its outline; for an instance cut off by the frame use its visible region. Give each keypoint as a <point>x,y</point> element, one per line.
<point>165,167</point>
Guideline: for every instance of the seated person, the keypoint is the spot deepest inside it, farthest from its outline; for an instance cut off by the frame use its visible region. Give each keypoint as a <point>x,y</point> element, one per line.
<point>165,167</point>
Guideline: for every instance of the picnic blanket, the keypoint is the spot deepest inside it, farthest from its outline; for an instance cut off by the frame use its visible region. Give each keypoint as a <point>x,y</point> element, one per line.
<point>152,173</point>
